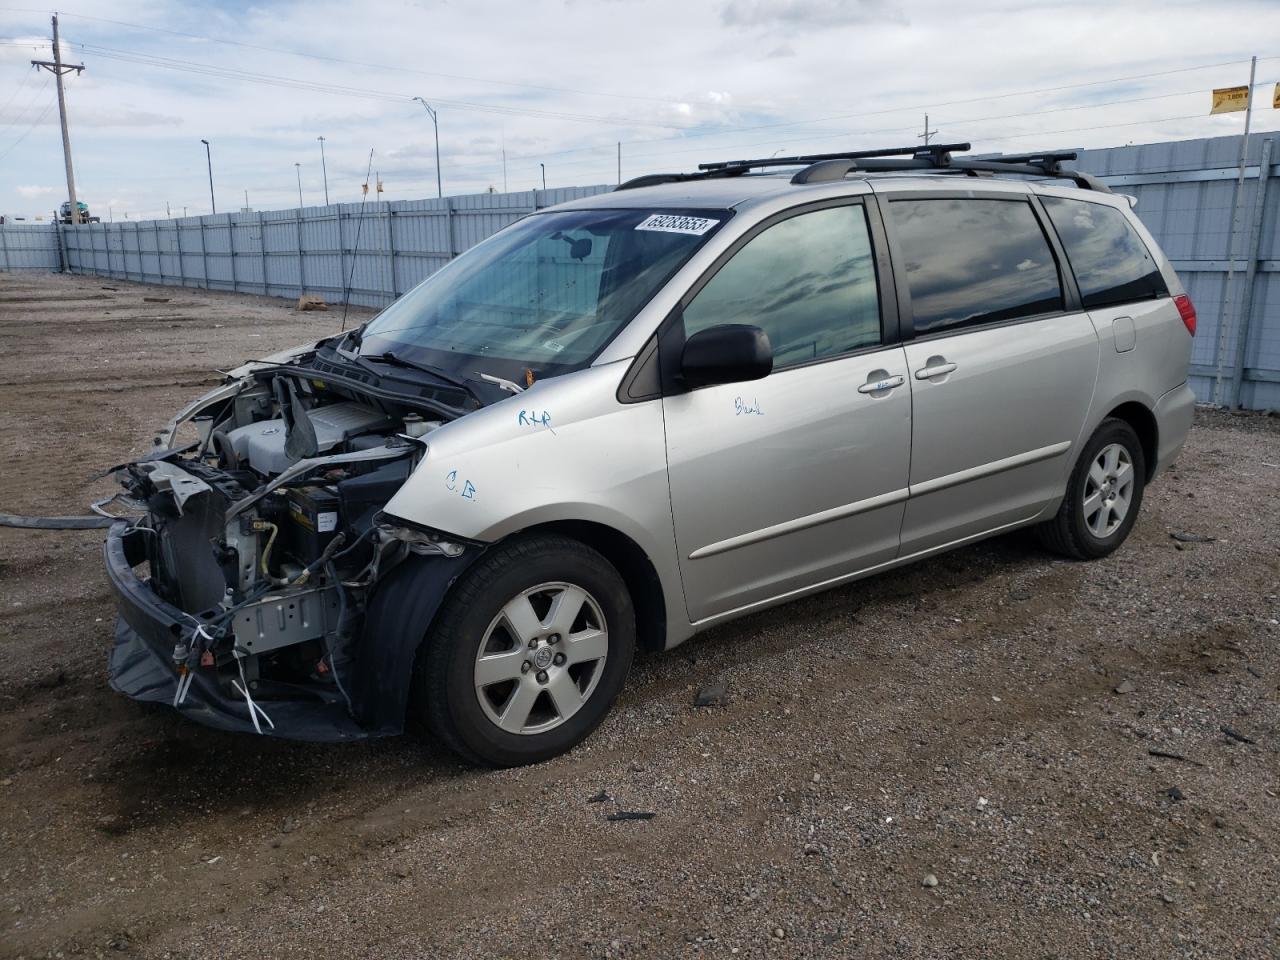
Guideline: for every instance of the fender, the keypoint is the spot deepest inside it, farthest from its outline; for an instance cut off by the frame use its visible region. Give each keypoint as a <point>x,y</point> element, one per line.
<point>399,615</point>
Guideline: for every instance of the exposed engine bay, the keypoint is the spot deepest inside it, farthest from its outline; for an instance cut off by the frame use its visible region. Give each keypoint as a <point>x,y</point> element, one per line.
<point>261,538</point>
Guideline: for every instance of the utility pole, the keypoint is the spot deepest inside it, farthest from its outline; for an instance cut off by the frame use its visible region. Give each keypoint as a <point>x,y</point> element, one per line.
<point>435,124</point>
<point>544,175</point>
<point>325,171</point>
<point>927,132</point>
<point>1224,315</point>
<point>208,155</point>
<point>168,215</point>
<point>58,68</point>
<point>298,167</point>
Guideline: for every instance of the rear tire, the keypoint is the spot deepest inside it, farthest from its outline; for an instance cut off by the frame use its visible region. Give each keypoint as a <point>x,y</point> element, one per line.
<point>1104,495</point>
<point>528,653</point>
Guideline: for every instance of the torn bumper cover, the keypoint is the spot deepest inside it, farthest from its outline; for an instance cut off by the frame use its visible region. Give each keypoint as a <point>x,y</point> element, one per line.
<point>377,675</point>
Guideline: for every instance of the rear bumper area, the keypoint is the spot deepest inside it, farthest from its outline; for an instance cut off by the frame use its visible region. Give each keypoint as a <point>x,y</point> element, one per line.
<point>1174,412</point>
<point>142,666</point>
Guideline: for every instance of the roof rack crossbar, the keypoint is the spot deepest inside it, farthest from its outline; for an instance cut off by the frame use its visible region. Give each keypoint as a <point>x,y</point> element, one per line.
<point>932,150</point>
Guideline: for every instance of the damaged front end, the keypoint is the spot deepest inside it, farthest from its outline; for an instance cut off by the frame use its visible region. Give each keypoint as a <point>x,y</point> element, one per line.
<point>254,592</point>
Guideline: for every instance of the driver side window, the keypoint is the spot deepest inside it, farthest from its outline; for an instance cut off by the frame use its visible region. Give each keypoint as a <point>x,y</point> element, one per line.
<point>809,282</point>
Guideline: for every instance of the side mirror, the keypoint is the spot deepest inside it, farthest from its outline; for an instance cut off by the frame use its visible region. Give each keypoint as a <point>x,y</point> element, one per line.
<point>729,353</point>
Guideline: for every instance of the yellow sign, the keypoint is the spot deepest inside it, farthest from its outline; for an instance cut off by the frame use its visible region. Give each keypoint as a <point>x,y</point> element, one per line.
<point>1275,97</point>
<point>1230,99</point>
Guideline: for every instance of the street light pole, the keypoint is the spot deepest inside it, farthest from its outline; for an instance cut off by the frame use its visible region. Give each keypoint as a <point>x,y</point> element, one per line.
<point>298,167</point>
<point>325,171</point>
<point>435,124</point>
<point>208,155</point>
<point>544,175</point>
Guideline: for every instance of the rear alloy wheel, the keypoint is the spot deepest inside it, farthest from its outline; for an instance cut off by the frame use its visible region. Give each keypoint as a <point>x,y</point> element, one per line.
<point>528,653</point>
<point>1103,497</point>
<point>1108,490</point>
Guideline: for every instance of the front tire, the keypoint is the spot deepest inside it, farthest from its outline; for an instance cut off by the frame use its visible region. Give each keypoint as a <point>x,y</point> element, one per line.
<point>1104,495</point>
<point>528,653</point>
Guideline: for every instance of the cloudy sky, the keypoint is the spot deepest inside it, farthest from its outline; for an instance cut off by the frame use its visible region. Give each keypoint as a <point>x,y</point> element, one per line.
<point>561,82</point>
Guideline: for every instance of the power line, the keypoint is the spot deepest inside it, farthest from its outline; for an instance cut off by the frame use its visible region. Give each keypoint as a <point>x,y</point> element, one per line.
<point>34,123</point>
<point>886,130</point>
<point>247,76</point>
<point>894,110</point>
<point>16,90</point>
<point>28,108</point>
<point>381,65</point>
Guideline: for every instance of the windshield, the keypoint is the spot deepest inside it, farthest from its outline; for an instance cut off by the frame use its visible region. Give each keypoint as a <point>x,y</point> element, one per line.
<point>545,294</point>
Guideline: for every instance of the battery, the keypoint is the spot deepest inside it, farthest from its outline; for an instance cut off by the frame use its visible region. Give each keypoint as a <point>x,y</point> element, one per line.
<point>314,520</point>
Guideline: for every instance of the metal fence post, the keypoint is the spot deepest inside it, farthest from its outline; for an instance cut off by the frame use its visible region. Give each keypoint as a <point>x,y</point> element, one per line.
<point>448,226</point>
<point>4,246</point>
<point>64,261</point>
<point>231,249</point>
<point>302,263</point>
<point>204,257</point>
<point>262,252</point>
<point>182,267</point>
<point>155,235</point>
<point>391,250</point>
<point>1252,250</point>
<point>342,259</point>
<point>137,242</point>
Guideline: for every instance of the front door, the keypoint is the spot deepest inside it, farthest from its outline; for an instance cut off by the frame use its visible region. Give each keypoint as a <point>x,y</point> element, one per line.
<point>800,478</point>
<point>1002,365</point>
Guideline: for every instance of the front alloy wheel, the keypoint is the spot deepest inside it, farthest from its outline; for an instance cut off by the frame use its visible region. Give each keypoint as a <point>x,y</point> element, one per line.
<point>527,653</point>
<point>541,658</point>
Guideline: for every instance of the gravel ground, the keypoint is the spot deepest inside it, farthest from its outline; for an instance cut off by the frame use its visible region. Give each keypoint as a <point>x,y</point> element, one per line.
<point>952,760</point>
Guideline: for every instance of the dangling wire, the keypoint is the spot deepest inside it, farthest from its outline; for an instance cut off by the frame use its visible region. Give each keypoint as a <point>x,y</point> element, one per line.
<point>346,290</point>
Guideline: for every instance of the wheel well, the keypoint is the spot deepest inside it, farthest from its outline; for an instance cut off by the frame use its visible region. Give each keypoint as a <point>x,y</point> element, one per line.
<point>1143,422</point>
<point>636,569</point>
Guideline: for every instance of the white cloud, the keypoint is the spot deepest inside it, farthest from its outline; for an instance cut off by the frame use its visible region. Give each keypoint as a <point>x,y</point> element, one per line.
<point>33,192</point>
<point>563,84</point>
<point>807,14</point>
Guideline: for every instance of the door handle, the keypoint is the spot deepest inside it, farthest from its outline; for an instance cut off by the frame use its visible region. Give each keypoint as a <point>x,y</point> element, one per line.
<point>936,370</point>
<point>886,383</point>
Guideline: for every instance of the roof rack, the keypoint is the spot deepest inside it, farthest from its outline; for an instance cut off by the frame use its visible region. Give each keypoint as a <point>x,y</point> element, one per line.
<point>937,153</point>
<point>828,167</point>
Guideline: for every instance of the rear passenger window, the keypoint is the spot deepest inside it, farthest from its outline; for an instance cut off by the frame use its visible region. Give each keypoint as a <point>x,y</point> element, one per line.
<point>809,282</point>
<point>1109,259</point>
<point>974,261</point>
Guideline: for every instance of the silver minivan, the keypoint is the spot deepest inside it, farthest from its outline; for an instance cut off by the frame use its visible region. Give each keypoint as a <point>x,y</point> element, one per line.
<point>630,417</point>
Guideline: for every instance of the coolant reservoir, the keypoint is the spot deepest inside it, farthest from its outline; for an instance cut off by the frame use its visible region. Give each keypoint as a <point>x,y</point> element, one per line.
<point>415,426</point>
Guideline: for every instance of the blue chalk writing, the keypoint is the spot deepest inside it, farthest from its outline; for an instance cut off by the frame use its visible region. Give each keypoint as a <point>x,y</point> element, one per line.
<point>467,490</point>
<point>535,418</point>
<point>742,408</point>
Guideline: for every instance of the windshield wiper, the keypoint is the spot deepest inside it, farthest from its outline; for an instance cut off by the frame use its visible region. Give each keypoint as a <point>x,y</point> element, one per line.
<point>395,360</point>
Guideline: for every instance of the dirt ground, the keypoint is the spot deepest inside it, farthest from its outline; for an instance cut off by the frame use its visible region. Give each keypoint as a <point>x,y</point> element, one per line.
<point>989,719</point>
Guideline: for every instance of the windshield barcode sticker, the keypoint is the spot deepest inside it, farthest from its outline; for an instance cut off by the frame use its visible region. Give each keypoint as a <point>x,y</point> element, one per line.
<point>669,223</point>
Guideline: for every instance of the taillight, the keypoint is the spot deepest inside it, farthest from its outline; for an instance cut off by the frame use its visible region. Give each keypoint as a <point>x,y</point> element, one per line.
<point>1186,310</point>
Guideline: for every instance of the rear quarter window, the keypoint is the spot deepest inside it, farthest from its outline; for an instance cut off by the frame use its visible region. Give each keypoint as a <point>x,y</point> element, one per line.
<point>1111,263</point>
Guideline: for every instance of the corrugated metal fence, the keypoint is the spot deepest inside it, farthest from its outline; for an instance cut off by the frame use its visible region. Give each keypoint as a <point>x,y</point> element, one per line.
<point>1185,194</point>
<point>28,247</point>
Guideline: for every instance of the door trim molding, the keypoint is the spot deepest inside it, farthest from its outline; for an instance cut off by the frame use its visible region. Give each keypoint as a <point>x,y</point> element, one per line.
<point>801,523</point>
<point>989,469</point>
